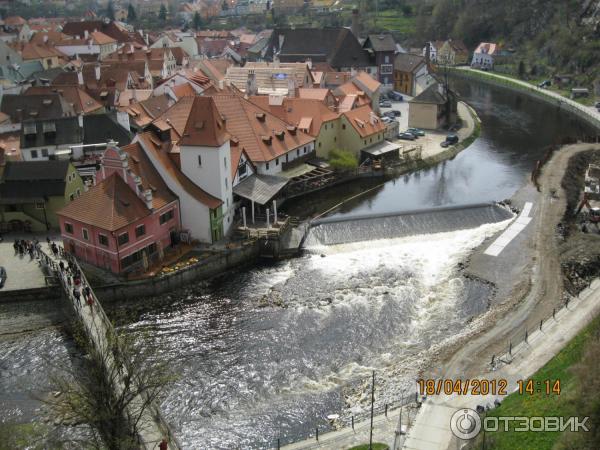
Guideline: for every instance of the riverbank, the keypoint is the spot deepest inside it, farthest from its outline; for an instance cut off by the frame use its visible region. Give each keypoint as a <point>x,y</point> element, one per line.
<point>532,297</point>
<point>589,115</point>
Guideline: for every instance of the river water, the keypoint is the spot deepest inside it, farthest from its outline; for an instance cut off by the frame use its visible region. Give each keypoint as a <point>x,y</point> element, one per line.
<point>267,353</point>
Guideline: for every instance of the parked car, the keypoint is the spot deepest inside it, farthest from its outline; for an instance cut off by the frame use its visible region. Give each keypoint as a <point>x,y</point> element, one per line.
<point>598,106</point>
<point>545,84</point>
<point>406,136</point>
<point>389,114</point>
<point>444,144</point>
<point>416,131</point>
<point>452,139</point>
<point>2,277</point>
<point>386,119</point>
<point>385,104</point>
<point>396,96</point>
<point>396,113</point>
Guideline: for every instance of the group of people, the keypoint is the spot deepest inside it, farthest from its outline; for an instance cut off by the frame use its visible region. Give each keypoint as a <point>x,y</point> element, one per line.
<point>72,275</point>
<point>23,247</point>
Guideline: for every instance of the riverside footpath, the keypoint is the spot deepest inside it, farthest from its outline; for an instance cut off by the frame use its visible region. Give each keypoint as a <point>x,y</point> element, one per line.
<point>152,428</point>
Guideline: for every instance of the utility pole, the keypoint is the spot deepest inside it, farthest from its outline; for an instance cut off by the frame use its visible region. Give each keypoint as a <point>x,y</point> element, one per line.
<point>372,404</point>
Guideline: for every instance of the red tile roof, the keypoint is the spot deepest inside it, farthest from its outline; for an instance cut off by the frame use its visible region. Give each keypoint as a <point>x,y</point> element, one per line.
<point>110,205</point>
<point>364,121</point>
<point>263,135</point>
<point>204,126</point>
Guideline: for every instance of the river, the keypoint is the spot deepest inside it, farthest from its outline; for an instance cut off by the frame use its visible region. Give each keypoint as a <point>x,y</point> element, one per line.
<point>269,352</point>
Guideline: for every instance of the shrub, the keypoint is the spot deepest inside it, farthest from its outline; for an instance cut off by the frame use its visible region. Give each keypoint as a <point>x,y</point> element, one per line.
<point>342,160</point>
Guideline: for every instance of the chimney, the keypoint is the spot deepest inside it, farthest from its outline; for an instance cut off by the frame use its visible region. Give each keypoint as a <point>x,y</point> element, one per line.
<point>309,63</point>
<point>355,27</point>
<point>251,84</point>
<point>80,120</point>
<point>86,34</point>
<point>291,87</point>
<point>45,38</point>
<point>275,60</point>
<point>130,48</point>
<point>148,198</point>
<point>79,77</point>
<point>97,70</point>
<point>353,72</point>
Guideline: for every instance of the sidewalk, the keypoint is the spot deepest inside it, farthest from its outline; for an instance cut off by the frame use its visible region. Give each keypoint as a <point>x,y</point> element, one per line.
<point>431,430</point>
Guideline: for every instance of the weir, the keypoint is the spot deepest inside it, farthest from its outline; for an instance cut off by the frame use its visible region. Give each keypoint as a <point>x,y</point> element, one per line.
<point>343,229</point>
<point>152,427</point>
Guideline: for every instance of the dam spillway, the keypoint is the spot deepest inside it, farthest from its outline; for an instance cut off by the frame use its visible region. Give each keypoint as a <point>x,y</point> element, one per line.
<point>343,229</point>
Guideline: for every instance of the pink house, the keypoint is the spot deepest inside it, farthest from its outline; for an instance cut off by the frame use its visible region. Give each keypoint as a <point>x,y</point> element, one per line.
<point>127,220</point>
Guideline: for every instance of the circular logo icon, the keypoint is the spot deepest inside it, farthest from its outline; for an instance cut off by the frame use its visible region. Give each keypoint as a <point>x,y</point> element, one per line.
<point>465,424</point>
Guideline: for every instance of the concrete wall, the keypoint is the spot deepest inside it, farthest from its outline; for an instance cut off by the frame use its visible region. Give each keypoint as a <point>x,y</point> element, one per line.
<point>422,115</point>
<point>212,266</point>
<point>213,175</point>
<point>327,139</point>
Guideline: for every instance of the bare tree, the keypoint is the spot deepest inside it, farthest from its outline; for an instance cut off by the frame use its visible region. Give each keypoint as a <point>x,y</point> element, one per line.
<point>117,385</point>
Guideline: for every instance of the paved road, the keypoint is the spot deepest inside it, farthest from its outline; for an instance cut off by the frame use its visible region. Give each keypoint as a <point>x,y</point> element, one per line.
<point>22,272</point>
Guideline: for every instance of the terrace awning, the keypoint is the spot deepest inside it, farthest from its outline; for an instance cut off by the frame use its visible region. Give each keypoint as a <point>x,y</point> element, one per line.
<point>382,148</point>
<point>260,188</point>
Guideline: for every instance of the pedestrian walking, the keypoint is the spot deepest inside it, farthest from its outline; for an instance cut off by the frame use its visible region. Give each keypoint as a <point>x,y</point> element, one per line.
<point>87,292</point>
<point>62,266</point>
<point>77,296</point>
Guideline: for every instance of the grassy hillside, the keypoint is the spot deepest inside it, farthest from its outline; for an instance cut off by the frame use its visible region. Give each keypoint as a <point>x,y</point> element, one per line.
<point>576,368</point>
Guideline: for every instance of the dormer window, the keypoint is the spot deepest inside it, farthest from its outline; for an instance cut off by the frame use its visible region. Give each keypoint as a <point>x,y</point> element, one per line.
<point>261,117</point>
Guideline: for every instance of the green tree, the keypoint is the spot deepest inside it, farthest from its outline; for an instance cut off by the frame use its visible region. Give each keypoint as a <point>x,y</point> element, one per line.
<point>197,21</point>
<point>110,10</point>
<point>131,15</point>
<point>162,14</point>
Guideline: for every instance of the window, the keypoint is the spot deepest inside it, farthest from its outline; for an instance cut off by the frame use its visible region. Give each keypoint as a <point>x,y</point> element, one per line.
<point>34,154</point>
<point>305,149</point>
<point>68,228</point>
<point>140,230</point>
<point>200,160</point>
<point>276,161</point>
<point>226,184</point>
<point>297,152</point>
<point>39,205</point>
<point>85,235</point>
<point>320,144</point>
<point>287,157</point>
<point>45,152</point>
<point>103,239</point>
<point>267,166</point>
<point>123,238</point>
<point>71,197</point>
<point>78,192</point>
<point>165,217</point>
<point>242,170</point>
<point>343,126</point>
<point>225,161</point>
<point>386,59</point>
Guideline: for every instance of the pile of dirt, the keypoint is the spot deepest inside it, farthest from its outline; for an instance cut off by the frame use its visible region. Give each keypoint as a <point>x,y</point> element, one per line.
<point>580,249</point>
